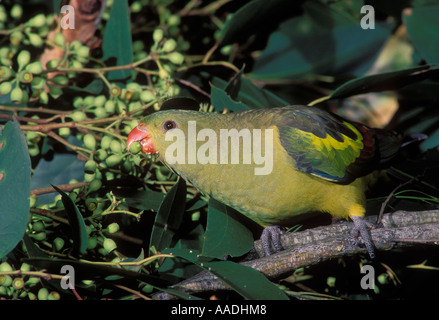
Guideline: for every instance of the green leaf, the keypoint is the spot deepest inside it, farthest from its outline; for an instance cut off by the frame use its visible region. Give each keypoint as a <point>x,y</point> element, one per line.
<point>384,81</point>
<point>169,216</point>
<point>15,175</point>
<point>422,25</point>
<point>145,200</point>
<point>117,39</point>
<point>220,100</point>
<point>249,19</point>
<point>61,168</point>
<point>79,233</point>
<point>322,41</point>
<point>225,234</point>
<point>244,280</point>
<point>252,95</point>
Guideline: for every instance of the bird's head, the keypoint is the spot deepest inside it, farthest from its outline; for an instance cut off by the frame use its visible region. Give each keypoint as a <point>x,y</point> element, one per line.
<point>151,131</point>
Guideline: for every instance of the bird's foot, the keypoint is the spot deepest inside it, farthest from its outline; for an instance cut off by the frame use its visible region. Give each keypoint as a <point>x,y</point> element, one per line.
<point>271,237</point>
<point>360,234</point>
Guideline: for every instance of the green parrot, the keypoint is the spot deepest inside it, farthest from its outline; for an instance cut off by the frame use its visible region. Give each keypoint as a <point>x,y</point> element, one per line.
<point>273,165</point>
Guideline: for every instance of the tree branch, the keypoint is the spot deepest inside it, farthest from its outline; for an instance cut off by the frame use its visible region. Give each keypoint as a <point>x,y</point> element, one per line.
<point>310,247</point>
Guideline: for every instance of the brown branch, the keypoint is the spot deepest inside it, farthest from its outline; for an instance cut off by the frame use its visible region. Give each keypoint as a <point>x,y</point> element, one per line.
<point>64,187</point>
<point>314,246</point>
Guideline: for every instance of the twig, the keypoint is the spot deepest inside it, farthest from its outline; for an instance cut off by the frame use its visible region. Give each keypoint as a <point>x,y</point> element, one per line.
<point>384,204</point>
<point>64,187</point>
<point>316,245</point>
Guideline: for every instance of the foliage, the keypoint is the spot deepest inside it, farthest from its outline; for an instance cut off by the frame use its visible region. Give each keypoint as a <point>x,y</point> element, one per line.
<point>128,225</point>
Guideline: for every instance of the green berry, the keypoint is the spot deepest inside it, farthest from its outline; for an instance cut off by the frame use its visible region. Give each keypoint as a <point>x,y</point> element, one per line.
<point>176,58</point>
<point>40,236</point>
<point>113,160</point>
<point>110,106</point>
<point>38,226</point>
<point>92,243</point>
<point>23,59</point>
<point>195,216</point>
<point>18,283</point>
<point>38,83</point>
<point>15,37</point>
<point>58,243</point>
<point>157,35</point>
<point>59,39</point>
<point>25,77</point>
<point>147,288</point>
<point>382,278</point>
<point>136,7</point>
<point>90,166</point>
<point>34,150</point>
<point>17,95</point>
<point>135,148</point>
<point>173,20</point>
<point>100,101</point>
<point>169,45</point>
<point>83,52</point>
<point>95,185</point>
<point>106,141</point>
<point>116,146</point>
<point>115,91</point>
<point>35,67</point>
<point>5,280</point>
<point>54,295</point>
<point>5,88</point>
<point>88,177</point>
<point>330,281</point>
<point>54,91</point>
<point>60,80</point>
<point>89,101</point>
<point>52,64</point>
<point>101,154</point>
<point>91,204</point>
<point>109,244</point>
<point>43,294</point>
<point>64,132</point>
<point>25,267</point>
<point>78,116</point>
<point>90,141</point>
<point>16,11</point>
<point>113,227</point>
<point>147,96</point>
<point>38,21</point>
<point>5,73</point>
<point>100,113</point>
<point>5,267</point>
<point>35,40</point>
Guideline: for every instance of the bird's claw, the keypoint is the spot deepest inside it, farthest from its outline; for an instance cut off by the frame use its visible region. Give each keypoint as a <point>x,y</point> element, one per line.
<point>360,234</point>
<point>271,237</point>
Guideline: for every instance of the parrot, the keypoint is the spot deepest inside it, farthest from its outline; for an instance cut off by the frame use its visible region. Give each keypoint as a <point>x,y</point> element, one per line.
<point>315,161</point>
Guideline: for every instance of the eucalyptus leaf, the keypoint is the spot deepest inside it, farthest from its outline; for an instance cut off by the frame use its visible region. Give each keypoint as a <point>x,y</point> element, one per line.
<point>244,280</point>
<point>225,234</point>
<point>422,25</point>
<point>117,39</point>
<point>169,216</point>
<point>15,175</point>
<point>79,233</point>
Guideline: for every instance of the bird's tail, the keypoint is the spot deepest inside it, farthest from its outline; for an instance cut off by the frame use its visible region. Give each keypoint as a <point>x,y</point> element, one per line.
<point>389,144</point>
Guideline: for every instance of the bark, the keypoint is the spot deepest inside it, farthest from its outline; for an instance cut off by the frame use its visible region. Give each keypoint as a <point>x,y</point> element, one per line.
<point>310,247</point>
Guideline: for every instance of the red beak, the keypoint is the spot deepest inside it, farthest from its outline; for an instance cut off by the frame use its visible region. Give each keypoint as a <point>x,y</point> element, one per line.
<point>141,134</point>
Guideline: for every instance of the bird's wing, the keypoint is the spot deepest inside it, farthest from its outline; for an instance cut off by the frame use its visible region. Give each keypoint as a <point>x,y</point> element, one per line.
<point>327,146</point>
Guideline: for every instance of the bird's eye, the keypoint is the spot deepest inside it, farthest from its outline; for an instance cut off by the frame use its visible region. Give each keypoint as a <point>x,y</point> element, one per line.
<point>168,125</point>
